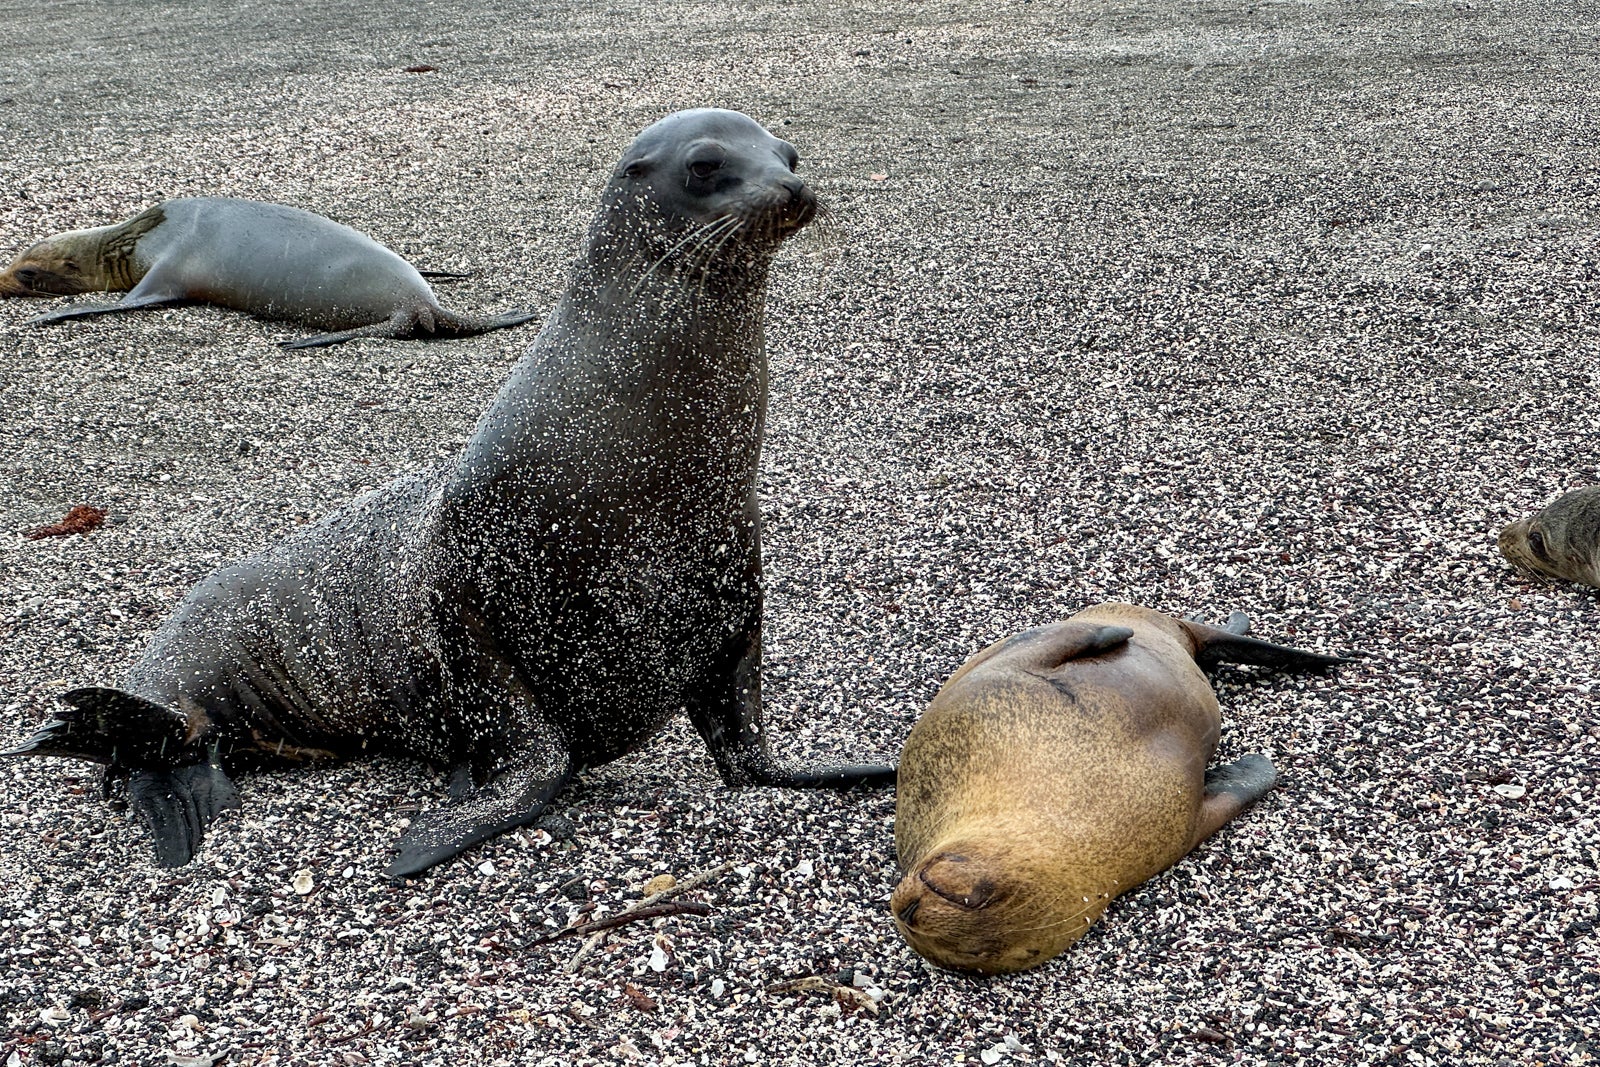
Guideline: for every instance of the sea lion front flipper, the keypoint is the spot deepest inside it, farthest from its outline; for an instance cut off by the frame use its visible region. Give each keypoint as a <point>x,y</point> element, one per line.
<point>727,715</point>
<point>515,796</point>
<point>1230,788</point>
<point>179,804</point>
<point>1214,645</point>
<point>131,302</point>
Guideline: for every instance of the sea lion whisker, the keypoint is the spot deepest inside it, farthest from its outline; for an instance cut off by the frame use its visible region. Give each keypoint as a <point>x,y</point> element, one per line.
<point>1070,917</point>
<point>700,257</point>
<point>702,267</point>
<point>694,234</point>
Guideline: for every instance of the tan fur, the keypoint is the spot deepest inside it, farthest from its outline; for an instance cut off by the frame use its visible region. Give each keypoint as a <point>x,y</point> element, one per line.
<point>1031,793</point>
<point>1562,541</point>
<point>81,261</point>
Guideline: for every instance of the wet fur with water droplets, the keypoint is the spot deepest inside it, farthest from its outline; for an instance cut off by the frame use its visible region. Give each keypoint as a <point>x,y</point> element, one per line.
<point>1561,541</point>
<point>588,567</point>
<point>1059,768</point>
<point>267,259</point>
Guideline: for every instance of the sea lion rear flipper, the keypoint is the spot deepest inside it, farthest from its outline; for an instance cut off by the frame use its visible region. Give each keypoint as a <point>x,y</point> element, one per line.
<point>407,325</point>
<point>451,324</point>
<point>515,797</point>
<point>1215,645</point>
<point>1230,788</point>
<point>106,725</point>
<point>395,328</point>
<point>179,804</point>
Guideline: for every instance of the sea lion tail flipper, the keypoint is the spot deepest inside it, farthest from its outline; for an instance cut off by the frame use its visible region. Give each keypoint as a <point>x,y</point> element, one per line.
<point>179,804</point>
<point>106,725</point>
<point>516,797</point>
<point>1215,645</point>
<point>1230,788</point>
<point>393,329</point>
<point>452,324</point>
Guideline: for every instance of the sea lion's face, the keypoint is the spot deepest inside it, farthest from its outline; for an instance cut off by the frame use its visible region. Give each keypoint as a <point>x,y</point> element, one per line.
<point>1562,541</point>
<point>970,907</point>
<point>711,172</point>
<point>46,269</point>
<point>1524,547</point>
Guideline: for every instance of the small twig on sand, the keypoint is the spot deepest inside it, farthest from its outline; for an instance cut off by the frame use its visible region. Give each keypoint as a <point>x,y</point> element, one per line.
<point>846,996</point>
<point>598,938</point>
<point>611,922</point>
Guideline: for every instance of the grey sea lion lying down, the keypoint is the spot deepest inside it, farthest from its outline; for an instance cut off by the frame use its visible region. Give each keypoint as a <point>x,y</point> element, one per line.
<point>270,260</point>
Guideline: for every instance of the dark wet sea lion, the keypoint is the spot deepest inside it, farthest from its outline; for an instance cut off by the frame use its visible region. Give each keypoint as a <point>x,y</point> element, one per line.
<point>587,569</point>
<point>1059,768</point>
<point>273,261</point>
<point>1562,541</point>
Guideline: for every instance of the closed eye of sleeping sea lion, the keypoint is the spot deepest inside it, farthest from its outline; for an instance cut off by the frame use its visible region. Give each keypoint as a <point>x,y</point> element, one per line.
<point>588,568</point>
<point>270,260</point>
<point>1562,541</point>
<point>1059,768</point>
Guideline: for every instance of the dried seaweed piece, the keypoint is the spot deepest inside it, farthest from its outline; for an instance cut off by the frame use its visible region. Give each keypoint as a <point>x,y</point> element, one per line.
<point>80,520</point>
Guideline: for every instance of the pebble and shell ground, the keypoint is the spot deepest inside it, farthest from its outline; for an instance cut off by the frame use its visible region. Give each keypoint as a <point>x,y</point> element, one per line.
<point>1277,307</point>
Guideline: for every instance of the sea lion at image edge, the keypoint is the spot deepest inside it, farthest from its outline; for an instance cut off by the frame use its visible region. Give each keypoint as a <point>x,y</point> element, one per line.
<point>587,569</point>
<point>270,260</point>
<point>1059,768</point>
<point>1561,541</point>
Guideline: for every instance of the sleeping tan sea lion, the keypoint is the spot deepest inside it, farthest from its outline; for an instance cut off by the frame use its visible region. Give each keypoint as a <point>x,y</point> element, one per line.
<point>1059,768</point>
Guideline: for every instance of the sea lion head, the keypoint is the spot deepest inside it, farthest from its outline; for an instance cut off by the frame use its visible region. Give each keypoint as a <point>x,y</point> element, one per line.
<point>55,266</point>
<point>706,181</point>
<point>1562,541</point>
<point>974,905</point>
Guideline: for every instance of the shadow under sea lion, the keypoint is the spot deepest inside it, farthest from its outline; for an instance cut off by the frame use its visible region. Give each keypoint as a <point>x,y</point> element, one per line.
<point>587,569</point>
<point>270,260</point>
<point>1059,768</point>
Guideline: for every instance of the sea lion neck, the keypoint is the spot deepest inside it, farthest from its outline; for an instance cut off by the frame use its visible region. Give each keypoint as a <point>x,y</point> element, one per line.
<point>670,374</point>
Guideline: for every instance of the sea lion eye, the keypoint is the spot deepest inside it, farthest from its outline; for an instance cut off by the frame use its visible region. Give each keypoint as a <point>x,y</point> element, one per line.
<point>705,168</point>
<point>27,276</point>
<point>1536,542</point>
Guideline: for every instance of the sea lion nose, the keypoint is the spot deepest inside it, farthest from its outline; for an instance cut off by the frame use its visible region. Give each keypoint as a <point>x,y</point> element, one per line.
<point>959,880</point>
